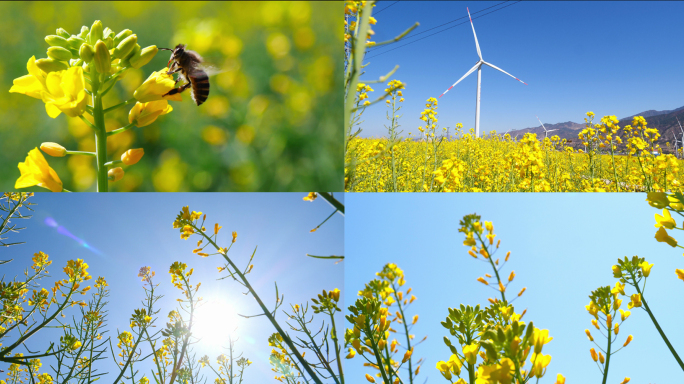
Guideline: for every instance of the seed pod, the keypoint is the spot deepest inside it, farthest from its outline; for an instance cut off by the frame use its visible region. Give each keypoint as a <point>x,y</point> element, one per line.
<point>75,42</point>
<point>122,35</point>
<point>95,32</point>
<point>103,62</point>
<point>51,65</point>
<point>62,32</point>
<point>143,56</point>
<point>125,47</point>
<point>59,53</point>
<point>87,53</point>
<point>56,41</point>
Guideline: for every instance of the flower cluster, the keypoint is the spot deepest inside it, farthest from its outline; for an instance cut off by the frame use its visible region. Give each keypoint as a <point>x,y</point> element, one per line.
<point>79,70</point>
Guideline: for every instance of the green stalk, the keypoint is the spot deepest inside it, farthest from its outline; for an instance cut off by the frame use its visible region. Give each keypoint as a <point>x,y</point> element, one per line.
<point>496,271</point>
<point>100,137</point>
<point>337,349</point>
<point>660,330</point>
<point>408,337</point>
<point>610,342</point>
<point>377,353</point>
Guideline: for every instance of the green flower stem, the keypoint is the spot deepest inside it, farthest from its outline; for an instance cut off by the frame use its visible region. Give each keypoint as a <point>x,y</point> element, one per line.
<point>265,310</point>
<point>496,271</point>
<point>112,163</point>
<point>121,130</point>
<point>80,153</point>
<point>127,102</point>
<point>610,343</point>
<point>408,336</point>
<point>100,137</point>
<point>88,123</point>
<point>660,330</point>
<point>377,353</point>
<point>337,348</point>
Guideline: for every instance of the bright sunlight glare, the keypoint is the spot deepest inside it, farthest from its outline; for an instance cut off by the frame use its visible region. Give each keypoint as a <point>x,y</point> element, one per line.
<point>216,321</point>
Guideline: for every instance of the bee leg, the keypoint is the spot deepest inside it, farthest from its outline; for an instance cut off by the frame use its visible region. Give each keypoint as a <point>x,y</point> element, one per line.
<point>177,90</point>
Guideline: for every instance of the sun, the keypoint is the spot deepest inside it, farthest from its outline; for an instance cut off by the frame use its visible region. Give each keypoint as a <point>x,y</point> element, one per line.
<point>215,322</point>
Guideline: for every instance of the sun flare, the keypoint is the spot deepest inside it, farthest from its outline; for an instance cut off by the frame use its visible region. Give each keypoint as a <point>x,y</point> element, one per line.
<point>216,321</point>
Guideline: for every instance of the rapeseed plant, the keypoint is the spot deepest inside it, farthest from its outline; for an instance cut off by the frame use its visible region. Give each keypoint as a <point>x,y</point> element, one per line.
<point>79,71</point>
<point>496,163</point>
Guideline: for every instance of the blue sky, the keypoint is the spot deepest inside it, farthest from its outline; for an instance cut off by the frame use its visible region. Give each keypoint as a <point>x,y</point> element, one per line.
<point>128,231</point>
<point>562,247</point>
<point>612,58</point>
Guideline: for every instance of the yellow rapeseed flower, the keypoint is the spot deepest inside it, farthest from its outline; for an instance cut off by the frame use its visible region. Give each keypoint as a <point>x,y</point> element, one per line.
<point>157,84</point>
<point>663,237</point>
<point>143,114</point>
<point>665,220</point>
<point>36,171</point>
<point>61,91</point>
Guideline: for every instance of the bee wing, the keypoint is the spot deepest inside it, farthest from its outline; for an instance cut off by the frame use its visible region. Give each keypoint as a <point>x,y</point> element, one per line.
<point>211,70</point>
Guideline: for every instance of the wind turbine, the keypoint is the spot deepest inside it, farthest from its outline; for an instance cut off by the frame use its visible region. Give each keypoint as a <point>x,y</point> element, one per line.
<point>545,131</point>
<point>478,66</point>
<point>681,129</point>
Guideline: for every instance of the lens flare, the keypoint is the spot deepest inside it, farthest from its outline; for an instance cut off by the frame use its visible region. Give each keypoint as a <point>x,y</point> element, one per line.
<point>50,222</point>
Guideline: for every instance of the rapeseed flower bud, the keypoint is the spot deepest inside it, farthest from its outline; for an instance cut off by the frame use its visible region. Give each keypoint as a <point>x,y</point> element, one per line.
<point>143,56</point>
<point>103,61</point>
<point>35,171</point>
<point>87,53</point>
<point>125,47</point>
<point>115,174</point>
<point>96,32</point>
<point>57,41</point>
<point>51,65</point>
<point>53,149</point>
<point>122,35</point>
<point>370,378</point>
<point>59,53</point>
<point>657,199</point>
<point>132,156</point>
<point>75,42</point>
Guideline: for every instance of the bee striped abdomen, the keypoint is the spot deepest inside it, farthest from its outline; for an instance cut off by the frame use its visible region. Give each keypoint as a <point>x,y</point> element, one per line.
<point>200,86</point>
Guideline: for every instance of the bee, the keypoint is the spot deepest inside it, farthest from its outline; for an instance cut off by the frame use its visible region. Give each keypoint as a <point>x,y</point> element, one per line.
<point>188,63</point>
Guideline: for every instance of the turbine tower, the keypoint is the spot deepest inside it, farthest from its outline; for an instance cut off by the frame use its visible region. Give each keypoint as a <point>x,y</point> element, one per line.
<point>478,66</point>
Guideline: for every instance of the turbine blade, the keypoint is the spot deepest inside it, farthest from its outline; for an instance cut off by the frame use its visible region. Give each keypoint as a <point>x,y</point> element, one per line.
<point>464,76</point>
<point>497,68</point>
<point>477,45</point>
<point>541,123</point>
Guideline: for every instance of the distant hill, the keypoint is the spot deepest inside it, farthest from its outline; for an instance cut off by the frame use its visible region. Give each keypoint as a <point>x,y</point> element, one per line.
<point>664,121</point>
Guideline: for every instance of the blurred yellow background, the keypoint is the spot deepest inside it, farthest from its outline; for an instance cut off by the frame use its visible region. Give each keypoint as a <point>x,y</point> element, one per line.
<point>272,122</point>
